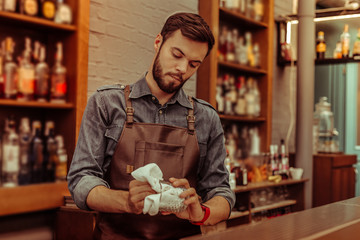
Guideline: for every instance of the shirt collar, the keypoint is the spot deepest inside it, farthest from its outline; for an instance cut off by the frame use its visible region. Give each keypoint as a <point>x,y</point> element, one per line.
<point>141,89</point>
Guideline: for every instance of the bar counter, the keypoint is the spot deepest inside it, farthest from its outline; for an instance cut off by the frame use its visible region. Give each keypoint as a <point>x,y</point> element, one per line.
<point>339,220</point>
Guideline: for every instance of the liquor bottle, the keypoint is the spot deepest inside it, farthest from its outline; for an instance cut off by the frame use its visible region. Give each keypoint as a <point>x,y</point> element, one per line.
<point>241,51</point>
<point>320,46</point>
<point>256,51</point>
<point>58,78</point>
<point>36,153</point>
<point>230,47</point>
<point>50,152</point>
<point>63,13</point>
<point>10,159</point>
<point>61,166</point>
<point>249,49</point>
<point>222,43</point>
<point>337,51</point>
<point>25,140</point>
<point>2,56</point>
<point>29,7</point>
<point>42,78</point>
<point>26,77</point>
<point>48,9</point>
<point>345,42</point>
<point>258,10</point>
<point>35,58</point>
<point>356,50</point>
<point>240,108</point>
<point>9,5</point>
<point>1,9</point>
<point>284,160</point>
<point>10,70</point>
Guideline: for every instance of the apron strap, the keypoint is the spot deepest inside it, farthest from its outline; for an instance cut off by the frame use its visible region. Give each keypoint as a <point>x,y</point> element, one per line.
<point>129,108</point>
<point>191,118</point>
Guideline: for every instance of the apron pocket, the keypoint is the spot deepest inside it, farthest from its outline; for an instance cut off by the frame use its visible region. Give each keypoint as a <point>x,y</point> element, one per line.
<point>169,157</point>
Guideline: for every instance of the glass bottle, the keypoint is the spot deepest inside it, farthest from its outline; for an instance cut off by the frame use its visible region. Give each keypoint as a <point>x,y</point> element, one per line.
<point>337,51</point>
<point>240,108</point>
<point>345,42</point>
<point>9,5</point>
<point>249,49</point>
<point>58,78</point>
<point>48,9</point>
<point>10,75</point>
<point>50,152</point>
<point>63,13</point>
<point>35,58</point>
<point>61,166</point>
<point>25,140</point>
<point>257,59</point>
<point>36,153</point>
<point>356,50</point>
<point>2,56</point>
<point>42,72</point>
<point>258,10</point>
<point>230,47</point>
<point>10,151</point>
<point>320,46</point>
<point>29,7</point>
<point>26,77</point>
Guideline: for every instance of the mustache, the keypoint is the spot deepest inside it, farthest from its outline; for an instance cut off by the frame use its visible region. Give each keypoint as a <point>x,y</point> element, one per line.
<point>175,75</point>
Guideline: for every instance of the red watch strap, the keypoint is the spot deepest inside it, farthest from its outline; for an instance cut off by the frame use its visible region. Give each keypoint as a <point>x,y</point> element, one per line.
<point>206,216</point>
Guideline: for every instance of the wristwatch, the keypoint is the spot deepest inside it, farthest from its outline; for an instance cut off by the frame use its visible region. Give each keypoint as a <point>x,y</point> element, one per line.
<point>206,216</point>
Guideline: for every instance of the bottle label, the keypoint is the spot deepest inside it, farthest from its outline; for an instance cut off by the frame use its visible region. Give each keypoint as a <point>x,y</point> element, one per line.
<point>11,158</point>
<point>345,46</point>
<point>26,81</point>
<point>10,5</point>
<point>321,47</point>
<point>31,7</point>
<point>48,10</point>
<point>10,80</point>
<point>64,14</point>
<point>357,47</point>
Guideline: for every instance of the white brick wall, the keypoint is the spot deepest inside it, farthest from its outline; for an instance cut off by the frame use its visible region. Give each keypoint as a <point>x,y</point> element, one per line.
<point>284,96</point>
<point>121,42</point>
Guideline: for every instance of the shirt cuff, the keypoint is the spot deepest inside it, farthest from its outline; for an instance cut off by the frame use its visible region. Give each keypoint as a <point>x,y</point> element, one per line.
<point>226,193</point>
<point>82,189</point>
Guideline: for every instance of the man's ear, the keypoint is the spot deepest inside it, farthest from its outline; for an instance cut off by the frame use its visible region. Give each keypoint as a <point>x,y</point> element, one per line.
<point>158,42</point>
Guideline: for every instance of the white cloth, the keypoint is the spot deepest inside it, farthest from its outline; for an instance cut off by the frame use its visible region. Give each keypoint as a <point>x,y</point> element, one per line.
<point>167,197</point>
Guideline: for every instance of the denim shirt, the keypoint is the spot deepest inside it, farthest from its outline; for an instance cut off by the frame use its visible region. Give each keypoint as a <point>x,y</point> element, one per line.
<point>102,124</point>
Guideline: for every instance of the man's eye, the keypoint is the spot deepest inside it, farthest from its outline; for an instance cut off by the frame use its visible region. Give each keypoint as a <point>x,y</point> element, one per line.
<point>194,65</point>
<point>177,56</point>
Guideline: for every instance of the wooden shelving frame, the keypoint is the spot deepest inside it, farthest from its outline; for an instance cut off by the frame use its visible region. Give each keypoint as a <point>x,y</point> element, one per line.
<point>208,71</point>
<point>67,116</point>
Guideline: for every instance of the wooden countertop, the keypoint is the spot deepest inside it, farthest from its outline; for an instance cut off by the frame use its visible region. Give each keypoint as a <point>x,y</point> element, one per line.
<point>340,220</point>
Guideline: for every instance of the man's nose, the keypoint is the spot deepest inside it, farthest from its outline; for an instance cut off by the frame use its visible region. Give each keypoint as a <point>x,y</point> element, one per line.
<point>181,66</point>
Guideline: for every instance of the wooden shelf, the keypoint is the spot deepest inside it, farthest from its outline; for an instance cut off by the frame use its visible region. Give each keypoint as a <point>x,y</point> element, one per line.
<point>32,198</point>
<point>238,214</point>
<point>28,20</point>
<point>242,118</point>
<point>324,61</point>
<point>234,14</point>
<point>281,204</point>
<point>34,104</point>
<point>266,184</point>
<point>243,68</point>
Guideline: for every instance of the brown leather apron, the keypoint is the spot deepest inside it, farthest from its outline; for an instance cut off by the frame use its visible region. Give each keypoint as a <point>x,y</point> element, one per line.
<point>175,150</point>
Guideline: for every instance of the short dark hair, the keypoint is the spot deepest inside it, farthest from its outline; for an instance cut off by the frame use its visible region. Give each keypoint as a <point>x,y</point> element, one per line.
<point>192,26</point>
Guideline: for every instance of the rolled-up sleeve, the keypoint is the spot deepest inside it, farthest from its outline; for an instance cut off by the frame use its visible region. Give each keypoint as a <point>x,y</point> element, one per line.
<point>213,177</point>
<point>87,166</point>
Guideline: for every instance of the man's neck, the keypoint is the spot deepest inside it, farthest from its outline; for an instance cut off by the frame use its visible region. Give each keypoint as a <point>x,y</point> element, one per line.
<point>162,96</point>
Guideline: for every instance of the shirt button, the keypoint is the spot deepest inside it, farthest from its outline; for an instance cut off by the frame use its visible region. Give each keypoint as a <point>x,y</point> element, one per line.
<point>153,98</point>
<point>160,111</point>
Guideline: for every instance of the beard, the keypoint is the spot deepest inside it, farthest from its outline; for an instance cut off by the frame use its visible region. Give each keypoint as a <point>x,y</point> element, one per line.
<point>159,76</point>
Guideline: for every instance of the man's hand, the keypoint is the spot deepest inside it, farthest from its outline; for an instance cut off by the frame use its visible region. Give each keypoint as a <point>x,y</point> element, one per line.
<point>194,211</point>
<point>138,191</point>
